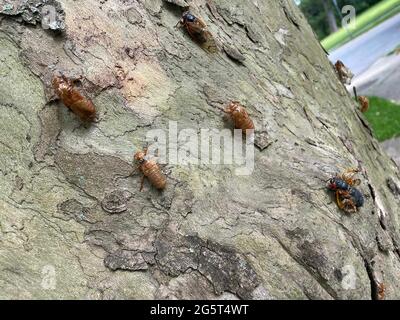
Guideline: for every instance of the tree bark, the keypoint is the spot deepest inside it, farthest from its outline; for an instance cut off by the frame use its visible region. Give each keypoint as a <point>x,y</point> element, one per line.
<point>72,220</point>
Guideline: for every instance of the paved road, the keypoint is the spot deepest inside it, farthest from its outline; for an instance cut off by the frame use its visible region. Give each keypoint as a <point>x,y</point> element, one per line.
<point>363,51</point>
<point>382,79</point>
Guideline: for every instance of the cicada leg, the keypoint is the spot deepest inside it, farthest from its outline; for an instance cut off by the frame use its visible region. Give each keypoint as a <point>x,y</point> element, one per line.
<point>142,183</point>
<point>345,202</point>
<point>339,200</point>
<point>179,24</point>
<point>349,206</point>
<point>134,170</point>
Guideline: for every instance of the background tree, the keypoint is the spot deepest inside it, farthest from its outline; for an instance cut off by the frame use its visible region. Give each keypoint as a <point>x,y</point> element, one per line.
<point>73,223</point>
<point>330,16</point>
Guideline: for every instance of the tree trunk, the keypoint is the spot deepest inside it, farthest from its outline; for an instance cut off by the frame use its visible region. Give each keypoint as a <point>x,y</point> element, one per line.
<point>330,16</point>
<point>75,225</point>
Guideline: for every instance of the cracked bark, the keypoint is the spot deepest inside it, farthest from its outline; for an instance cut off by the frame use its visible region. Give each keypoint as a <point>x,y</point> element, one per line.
<point>68,200</point>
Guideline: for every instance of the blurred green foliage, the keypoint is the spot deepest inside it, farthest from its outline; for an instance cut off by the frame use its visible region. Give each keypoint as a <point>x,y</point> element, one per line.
<point>384,117</point>
<point>317,17</point>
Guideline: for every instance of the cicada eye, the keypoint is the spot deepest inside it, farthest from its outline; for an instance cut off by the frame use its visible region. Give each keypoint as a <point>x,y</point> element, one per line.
<point>332,184</point>
<point>189,17</point>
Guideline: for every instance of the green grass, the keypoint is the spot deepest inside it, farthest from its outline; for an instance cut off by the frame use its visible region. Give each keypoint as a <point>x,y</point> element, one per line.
<point>384,117</point>
<point>367,20</point>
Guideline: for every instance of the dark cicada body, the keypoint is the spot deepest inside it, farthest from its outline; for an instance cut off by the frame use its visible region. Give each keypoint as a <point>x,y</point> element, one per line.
<point>73,99</point>
<point>357,197</point>
<point>151,170</point>
<point>239,116</point>
<point>348,197</point>
<point>198,31</point>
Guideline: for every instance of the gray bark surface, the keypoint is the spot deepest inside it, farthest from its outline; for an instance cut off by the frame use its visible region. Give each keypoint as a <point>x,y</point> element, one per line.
<point>73,223</point>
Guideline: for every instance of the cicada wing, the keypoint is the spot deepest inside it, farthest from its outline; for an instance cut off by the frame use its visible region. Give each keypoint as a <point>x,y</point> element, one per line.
<point>210,44</point>
<point>199,24</point>
<point>348,175</point>
<point>198,31</point>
